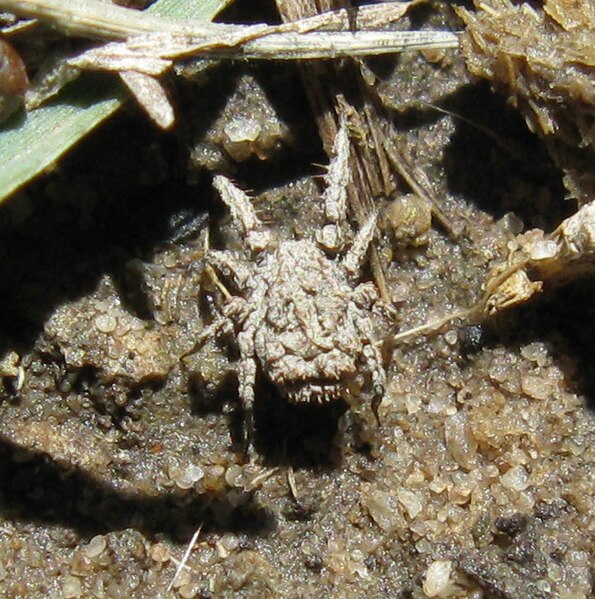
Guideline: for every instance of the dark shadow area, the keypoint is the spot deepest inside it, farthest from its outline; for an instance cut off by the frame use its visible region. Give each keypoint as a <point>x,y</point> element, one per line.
<point>118,196</point>
<point>64,232</point>
<point>414,117</point>
<point>207,398</point>
<point>468,4</point>
<point>565,319</point>
<point>300,435</point>
<point>494,161</point>
<point>116,400</point>
<point>202,105</point>
<point>258,11</point>
<point>422,16</point>
<point>35,489</point>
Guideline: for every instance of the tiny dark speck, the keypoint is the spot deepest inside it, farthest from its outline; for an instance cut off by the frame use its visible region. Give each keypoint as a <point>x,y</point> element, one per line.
<point>472,339</point>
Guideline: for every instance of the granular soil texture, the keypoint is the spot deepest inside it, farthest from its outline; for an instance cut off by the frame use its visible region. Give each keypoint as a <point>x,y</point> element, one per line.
<point>117,454</point>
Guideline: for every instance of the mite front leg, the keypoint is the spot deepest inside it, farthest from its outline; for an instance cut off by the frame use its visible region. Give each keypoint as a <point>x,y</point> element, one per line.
<point>223,324</point>
<point>335,195</point>
<point>230,267</point>
<point>257,238</point>
<point>246,383</point>
<point>356,255</point>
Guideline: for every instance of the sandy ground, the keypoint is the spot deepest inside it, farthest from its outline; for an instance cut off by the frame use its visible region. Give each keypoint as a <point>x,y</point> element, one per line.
<point>116,454</point>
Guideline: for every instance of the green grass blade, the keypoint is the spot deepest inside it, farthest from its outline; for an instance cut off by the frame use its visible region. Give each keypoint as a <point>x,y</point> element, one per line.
<point>190,9</point>
<point>32,142</point>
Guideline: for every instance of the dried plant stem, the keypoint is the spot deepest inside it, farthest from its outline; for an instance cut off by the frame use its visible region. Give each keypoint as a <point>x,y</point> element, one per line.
<point>419,184</point>
<point>329,44</point>
<point>432,326</point>
<point>340,89</point>
<point>182,563</point>
<point>297,40</point>
<point>105,20</point>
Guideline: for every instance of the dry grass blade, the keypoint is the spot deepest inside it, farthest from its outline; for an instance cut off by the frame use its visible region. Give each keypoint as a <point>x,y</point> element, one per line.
<point>30,145</point>
<point>309,38</point>
<point>184,560</point>
<point>147,46</point>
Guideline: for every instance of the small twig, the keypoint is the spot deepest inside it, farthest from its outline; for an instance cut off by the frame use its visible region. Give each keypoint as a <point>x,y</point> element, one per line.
<point>211,271</point>
<point>297,40</point>
<point>415,183</point>
<point>185,557</point>
<point>292,483</point>
<point>366,158</point>
<point>329,44</point>
<point>432,326</point>
<point>480,309</point>
<point>142,47</point>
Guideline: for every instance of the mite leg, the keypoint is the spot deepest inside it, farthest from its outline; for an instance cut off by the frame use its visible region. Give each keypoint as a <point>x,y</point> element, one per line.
<point>335,194</point>
<point>247,383</point>
<point>257,238</point>
<point>223,324</point>
<point>356,255</point>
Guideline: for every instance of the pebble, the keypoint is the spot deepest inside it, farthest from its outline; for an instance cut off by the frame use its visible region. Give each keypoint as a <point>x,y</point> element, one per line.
<point>516,479</point>
<point>383,509</point>
<point>95,546</point>
<point>189,476</point>
<point>460,443</point>
<point>410,501</point>
<point>242,129</point>
<point>71,587</point>
<point>106,323</point>
<point>534,386</point>
<point>536,352</point>
<point>451,337</point>
<point>234,476</point>
<point>542,250</point>
<point>437,578</point>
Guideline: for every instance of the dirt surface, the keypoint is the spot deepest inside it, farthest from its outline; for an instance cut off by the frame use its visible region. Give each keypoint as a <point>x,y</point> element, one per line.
<point>117,453</point>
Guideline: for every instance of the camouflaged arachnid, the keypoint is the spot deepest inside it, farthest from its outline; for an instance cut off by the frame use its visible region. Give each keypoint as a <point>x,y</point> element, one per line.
<point>299,315</point>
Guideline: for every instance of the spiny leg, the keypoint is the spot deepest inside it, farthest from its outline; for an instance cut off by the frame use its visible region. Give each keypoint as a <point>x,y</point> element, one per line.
<point>374,358</point>
<point>335,194</point>
<point>246,384</point>
<point>365,295</point>
<point>256,236</point>
<point>356,255</point>
<point>223,324</point>
<point>230,267</point>
<point>364,406</point>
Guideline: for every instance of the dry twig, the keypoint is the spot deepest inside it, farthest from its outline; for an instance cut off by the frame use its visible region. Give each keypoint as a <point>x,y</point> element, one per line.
<point>142,47</point>
<point>182,563</point>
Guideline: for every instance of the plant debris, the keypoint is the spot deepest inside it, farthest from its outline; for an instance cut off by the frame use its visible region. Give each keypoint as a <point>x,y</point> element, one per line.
<point>542,59</point>
<point>122,471</point>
